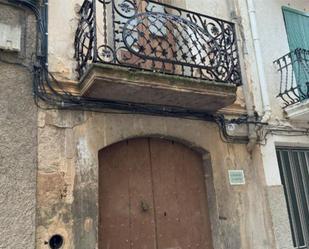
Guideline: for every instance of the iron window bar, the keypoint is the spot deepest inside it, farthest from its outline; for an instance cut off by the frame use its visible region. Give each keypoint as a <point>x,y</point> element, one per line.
<point>149,35</point>
<point>294,76</point>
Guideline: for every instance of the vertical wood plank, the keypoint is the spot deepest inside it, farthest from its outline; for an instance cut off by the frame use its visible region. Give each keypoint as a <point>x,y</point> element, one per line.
<point>114,213</point>
<point>180,196</point>
<point>126,208</point>
<point>142,227</point>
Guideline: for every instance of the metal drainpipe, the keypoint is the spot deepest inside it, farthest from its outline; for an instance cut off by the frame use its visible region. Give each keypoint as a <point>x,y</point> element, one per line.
<point>46,34</point>
<point>259,61</point>
<point>249,104</point>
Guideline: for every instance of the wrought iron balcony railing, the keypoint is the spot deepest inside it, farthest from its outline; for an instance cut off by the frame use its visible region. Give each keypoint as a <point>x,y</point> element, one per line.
<point>294,73</point>
<point>153,36</point>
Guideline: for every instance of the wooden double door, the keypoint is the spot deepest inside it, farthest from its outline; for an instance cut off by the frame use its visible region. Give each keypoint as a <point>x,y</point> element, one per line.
<point>152,195</point>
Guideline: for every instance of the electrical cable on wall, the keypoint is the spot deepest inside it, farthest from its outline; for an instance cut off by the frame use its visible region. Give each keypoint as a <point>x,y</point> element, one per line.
<point>47,90</point>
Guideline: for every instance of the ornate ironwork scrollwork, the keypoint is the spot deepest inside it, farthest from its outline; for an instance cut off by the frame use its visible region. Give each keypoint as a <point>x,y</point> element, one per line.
<point>157,37</point>
<point>84,36</point>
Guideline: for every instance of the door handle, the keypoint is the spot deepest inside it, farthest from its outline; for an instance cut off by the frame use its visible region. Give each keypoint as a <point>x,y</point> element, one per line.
<point>144,206</point>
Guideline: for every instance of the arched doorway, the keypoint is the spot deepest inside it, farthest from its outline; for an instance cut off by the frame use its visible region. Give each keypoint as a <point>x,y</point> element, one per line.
<point>152,195</point>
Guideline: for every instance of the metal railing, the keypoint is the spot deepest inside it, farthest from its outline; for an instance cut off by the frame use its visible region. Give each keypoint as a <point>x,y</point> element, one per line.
<point>294,74</point>
<point>153,36</point>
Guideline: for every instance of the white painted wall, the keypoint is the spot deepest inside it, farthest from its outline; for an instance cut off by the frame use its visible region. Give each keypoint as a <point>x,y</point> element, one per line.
<point>271,167</point>
<point>274,45</point>
<point>274,39</point>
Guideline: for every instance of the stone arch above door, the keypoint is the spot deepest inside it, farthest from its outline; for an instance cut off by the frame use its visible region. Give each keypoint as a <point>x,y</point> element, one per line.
<point>102,131</point>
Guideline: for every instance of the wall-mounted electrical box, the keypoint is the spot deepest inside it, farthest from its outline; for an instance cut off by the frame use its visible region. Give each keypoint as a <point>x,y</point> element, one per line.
<point>10,37</point>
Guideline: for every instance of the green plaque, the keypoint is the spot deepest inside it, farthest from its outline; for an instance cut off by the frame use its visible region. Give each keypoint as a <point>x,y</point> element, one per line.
<point>237,177</point>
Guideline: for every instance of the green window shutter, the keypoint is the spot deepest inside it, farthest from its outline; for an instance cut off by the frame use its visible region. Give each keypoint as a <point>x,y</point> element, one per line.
<point>294,172</point>
<point>297,28</point>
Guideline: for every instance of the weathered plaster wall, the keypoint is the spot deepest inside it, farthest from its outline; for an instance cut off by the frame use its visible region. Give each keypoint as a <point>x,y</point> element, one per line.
<point>62,24</point>
<point>274,44</point>
<point>68,176</point>
<point>219,9</point>
<point>18,137</point>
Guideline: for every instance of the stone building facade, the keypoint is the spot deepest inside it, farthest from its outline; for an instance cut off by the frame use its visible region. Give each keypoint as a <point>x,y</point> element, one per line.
<point>50,156</point>
<point>18,133</point>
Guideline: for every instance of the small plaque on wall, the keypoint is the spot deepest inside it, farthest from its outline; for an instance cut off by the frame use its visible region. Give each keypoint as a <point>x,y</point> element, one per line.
<point>237,177</point>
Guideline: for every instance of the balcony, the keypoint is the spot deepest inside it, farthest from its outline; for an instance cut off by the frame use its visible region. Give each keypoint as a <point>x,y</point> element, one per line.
<point>294,83</point>
<point>148,52</point>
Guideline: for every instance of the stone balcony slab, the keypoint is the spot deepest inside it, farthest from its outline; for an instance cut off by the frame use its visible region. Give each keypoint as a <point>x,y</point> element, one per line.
<point>298,111</point>
<point>109,82</point>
